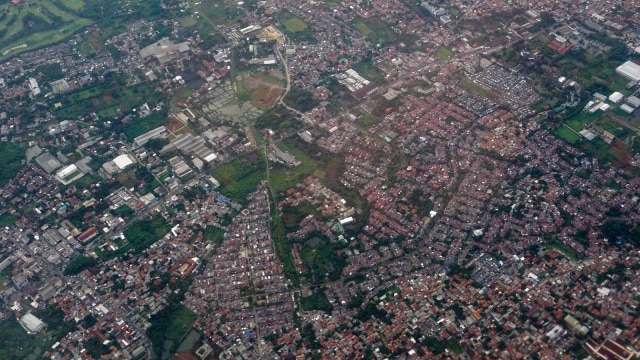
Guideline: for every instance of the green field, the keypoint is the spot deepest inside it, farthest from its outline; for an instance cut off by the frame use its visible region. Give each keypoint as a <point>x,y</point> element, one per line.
<point>169,326</point>
<point>240,177</point>
<point>444,52</point>
<point>38,23</point>
<point>365,119</point>
<point>295,25</point>
<point>376,30</point>
<point>366,69</point>
<point>567,134</point>
<point>295,28</point>
<point>282,178</point>
<point>107,99</point>
<point>12,157</point>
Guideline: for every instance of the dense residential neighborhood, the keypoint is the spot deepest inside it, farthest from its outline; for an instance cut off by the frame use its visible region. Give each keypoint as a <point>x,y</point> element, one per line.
<point>376,179</point>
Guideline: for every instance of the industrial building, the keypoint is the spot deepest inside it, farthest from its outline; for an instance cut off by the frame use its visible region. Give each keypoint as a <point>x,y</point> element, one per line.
<point>156,133</point>
<point>165,50</point>
<point>32,324</point>
<point>616,97</point>
<point>629,70</point>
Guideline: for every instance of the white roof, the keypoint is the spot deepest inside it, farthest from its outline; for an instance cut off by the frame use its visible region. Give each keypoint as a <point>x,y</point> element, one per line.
<point>32,323</point>
<point>616,97</point>
<point>122,161</point>
<point>629,70</point>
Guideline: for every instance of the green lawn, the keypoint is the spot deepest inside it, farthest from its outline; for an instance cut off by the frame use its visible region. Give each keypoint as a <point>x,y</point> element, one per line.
<point>294,25</point>
<point>365,119</point>
<point>37,23</point>
<point>282,178</point>
<point>12,157</point>
<point>566,134</point>
<point>444,52</point>
<point>376,30</point>
<point>364,29</point>
<point>240,177</point>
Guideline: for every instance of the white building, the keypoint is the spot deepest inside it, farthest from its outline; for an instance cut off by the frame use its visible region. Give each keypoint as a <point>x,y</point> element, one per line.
<point>629,70</point>
<point>616,97</point>
<point>31,323</point>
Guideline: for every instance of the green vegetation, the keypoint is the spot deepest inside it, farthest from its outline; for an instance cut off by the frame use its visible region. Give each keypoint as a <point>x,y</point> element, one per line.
<point>319,257</point>
<point>278,119</point>
<point>7,219</point>
<point>240,177</point>
<point>294,25</point>
<point>15,343</point>
<point>365,119</point>
<point>296,29</point>
<point>567,134</point>
<point>282,177</point>
<point>96,348</point>
<point>371,310</point>
<point>142,233</point>
<point>443,52</point>
<point>564,250</point>
<point>108,99</point>
<point>12,158</point>
<point>79,264</point>
<point>301,100</point>
<point>213,234</point>
<point>168,326</point>
<point>123,211</point>
<point>316,301</point>
<point>57,327</point>
<point>283,247</point>
<point>376,30</point>
<point>37,23</point>
<point>367,70</point>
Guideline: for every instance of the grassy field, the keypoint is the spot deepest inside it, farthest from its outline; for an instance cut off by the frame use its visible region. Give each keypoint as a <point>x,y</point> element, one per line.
<point>567,134</point>
<point>365,119</point>
<point>12,157</point>
<point>260,88</point>
<point>240,177</point>
<point>37,23</point>
<point>444,52</point>
<point>295,28</point>
<point>477,89</point>
<point>366,69</point>
<point>107,99</point>
<point>294,25</point>
<point>168,326</point>
<point>376,30</point>
<point>282,178</point>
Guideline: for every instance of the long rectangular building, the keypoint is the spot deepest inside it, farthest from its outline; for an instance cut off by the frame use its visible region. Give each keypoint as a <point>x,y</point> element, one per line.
<point>629,70</point>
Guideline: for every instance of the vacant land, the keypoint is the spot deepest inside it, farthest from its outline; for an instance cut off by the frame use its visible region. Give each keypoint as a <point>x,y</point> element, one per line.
<point>444,52</point>
<point>295,25</point>
<point>238,178</point>
<point>12,157</point>
<point>108,99</point>
<point>37,23</point>
<point>261,88</point>
<point>295,28</point>
<point>376,30</point>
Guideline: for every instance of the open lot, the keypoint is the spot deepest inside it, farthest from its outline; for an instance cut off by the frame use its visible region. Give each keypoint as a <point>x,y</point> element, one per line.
<point>261,88</point>
<point>240,177</point>
<point>443,52</point>
<point>376,30</point>
<point>37,23</point>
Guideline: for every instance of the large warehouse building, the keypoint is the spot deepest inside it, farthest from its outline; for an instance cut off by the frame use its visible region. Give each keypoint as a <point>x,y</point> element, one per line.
<point>629,70</point>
